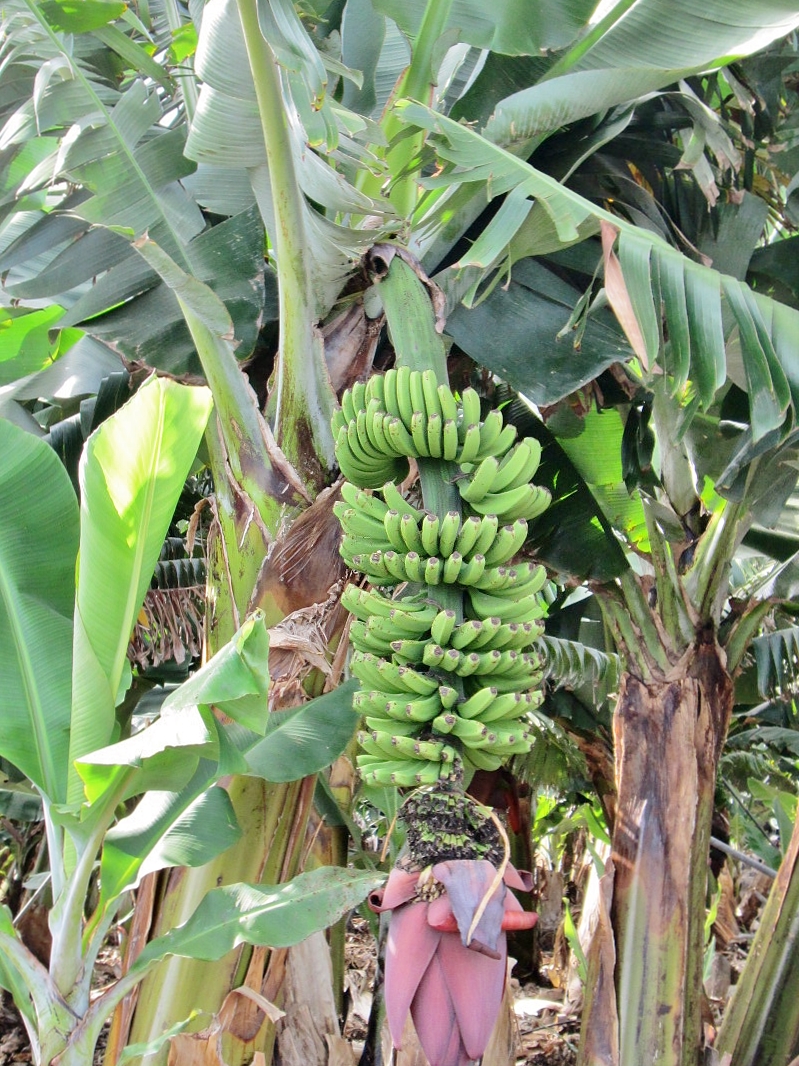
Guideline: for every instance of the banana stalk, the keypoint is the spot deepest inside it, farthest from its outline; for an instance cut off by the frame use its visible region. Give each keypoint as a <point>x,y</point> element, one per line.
<point>448,669</point>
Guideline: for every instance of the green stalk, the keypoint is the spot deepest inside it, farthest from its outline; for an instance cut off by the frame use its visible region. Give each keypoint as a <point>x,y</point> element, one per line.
<point>708,578</point>
<point>304,402</point>
<point>177,986</point>
<point>417,83</point>
<point>761,1024</point>
<point>412,327</point>
<point>70,970</point>
<point>240,423</point>
<point>671,606</point>
<point>742,633</point>
<point>643,619</point>
<point>586,43</point>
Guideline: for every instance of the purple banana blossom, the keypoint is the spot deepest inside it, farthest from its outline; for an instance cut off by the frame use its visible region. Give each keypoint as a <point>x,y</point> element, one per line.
<point>446,956</point>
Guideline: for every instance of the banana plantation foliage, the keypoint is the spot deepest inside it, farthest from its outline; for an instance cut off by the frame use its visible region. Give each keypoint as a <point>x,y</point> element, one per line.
<point>398,412</point>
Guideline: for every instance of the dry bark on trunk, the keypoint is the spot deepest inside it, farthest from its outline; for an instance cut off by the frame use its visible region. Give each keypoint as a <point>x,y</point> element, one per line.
<point>668,735</point>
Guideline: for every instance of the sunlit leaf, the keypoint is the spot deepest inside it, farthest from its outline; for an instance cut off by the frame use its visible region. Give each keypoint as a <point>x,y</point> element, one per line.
<point>38,546</point>
<point>273,916</point>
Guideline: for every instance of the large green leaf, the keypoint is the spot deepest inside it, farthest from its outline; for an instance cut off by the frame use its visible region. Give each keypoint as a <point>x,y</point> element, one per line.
<point>132,474</point>
<point>529,313</point>
<point>653,273</point>
<point>305,740</point>
<point>25,344</point>
<point>38,547</point>
<point>235,680</point>
<point>121,167</point>
<point>227,132</point>
<point>574,535</point>
<point>263,915</point>
<point>513,27</point>
<point>669,34</point>
<point>163,832</point>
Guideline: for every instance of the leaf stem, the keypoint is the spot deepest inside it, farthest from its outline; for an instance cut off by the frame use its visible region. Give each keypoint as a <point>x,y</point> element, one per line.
<point>303,400</point>
<point>418,345</point>
<point>569,59</point>
<point>71,971</point>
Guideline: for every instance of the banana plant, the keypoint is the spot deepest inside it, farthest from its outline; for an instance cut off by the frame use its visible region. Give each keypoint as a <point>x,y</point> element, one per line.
<point>71,592</point>
<point>269,146</point>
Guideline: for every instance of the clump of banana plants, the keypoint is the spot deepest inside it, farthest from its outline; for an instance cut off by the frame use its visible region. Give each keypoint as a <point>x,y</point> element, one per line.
<point>445,638</point>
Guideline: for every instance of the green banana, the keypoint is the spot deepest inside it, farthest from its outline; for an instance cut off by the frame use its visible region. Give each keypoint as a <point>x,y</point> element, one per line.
<point>348,408</point>
<point>477,703</point>
<point>429,533</point>
<point>469,662</point>
<point>413,623</point>
<point>435,441</point>
<point>507,542</point>
<point>395,564</point>
<point>447,404</point>
<point>358,391</point>
<point>358,523</point>
<point>432,570</point>
<point>493,443</point>
<point>469,443</point>
<point>469,730</point>
<point>408,651</point>
<point>443,723</point>
<point>448,530</point>
<point>508,706</point>
<point>489,525</point>
<point>409,529</point>
<point>375,390</point>
<point>414,567</point>
<point>449,440</point>
<point>406,679</point>
<point>485,636</point>
<point>473,570</point>
<point>442,626</point>
<point>478,480</point>
<point>470,407</point>
<point>452,568</point>
<point>432,400</point>
<point>483,760</point>
<point>366,475</point>
<point>390,392</point>
<point>518,465</point>
<point>399,436</point>
<point>468,535</point>
<point>495,578</point>
<point>416,389</point>
<point>379,744</point>
<point>464,635</point>
<point>391,526</point>
<point>404,400</point>
<point>370,505</point>
<point>449,696</point>
<point>483,604</point>
<point>418,428</point>
<point>364,603</point>
<point>422,709</point>
<point>395,500</point>
<point>490,429</point>
<point>526,501</point>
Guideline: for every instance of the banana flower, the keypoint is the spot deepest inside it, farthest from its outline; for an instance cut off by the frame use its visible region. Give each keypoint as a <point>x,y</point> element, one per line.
<point>446,955</point>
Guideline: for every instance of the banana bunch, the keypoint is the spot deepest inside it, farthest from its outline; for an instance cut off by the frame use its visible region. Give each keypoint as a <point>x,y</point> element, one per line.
<point>438,690</point>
